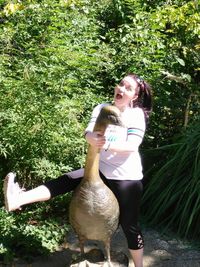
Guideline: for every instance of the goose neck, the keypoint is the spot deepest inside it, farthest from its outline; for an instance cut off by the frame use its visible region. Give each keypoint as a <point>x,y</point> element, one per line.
<point>92,164</point>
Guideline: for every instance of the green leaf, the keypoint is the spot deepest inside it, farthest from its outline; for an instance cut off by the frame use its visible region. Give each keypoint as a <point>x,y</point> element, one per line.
<point>180,61</point>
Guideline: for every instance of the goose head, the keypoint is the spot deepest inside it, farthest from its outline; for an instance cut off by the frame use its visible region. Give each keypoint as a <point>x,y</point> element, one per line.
<point>109,115</point>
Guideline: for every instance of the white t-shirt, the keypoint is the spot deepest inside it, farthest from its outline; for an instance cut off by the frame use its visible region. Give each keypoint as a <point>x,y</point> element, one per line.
<point>122,165</point>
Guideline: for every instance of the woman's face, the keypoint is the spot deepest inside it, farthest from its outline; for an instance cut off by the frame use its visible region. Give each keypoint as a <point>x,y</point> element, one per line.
<point>125,92</point>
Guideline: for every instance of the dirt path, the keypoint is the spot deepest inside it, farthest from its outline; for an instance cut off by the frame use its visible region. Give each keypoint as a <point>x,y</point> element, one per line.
<point>159,252</point>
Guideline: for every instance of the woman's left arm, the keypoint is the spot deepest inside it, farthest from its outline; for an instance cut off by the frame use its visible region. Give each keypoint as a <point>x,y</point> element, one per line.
<point>130,145</point>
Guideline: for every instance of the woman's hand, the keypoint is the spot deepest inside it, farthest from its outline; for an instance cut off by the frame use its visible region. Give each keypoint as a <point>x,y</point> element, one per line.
<point>95,139</point>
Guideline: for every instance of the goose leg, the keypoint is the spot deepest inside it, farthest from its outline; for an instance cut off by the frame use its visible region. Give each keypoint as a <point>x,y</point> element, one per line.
<point>107,249</point>
<point>81,245</point>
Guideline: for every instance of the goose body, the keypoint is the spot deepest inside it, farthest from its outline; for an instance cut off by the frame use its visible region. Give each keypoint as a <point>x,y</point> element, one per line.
<point>94,209</point>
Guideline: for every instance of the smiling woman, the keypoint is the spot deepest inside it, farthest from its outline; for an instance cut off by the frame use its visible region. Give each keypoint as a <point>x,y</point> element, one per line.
<point>120,165</point>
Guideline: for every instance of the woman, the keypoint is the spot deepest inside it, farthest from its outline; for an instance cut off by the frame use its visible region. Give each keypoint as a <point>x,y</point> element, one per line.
<point>120,163</point>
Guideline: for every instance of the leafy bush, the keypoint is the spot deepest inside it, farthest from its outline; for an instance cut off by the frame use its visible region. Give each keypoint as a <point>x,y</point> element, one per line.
<point>171,198</point>
<point>38,230</point>
<point>49,62</point>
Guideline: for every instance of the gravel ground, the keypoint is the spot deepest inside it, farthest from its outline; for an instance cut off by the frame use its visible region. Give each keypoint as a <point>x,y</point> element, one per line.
<point>159,252</point>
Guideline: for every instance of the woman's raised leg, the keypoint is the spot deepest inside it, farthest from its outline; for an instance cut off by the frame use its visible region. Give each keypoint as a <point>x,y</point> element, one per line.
<point>15,196</point>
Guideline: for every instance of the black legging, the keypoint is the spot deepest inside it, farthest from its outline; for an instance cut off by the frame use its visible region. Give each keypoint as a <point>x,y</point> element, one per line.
<point>128,194</point>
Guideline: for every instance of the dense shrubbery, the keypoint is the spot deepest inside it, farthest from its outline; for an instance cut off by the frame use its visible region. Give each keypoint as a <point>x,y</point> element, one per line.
<point>50,62</point>
<point>172,199</point>
<point>60,58</point>
<point>33,232</point>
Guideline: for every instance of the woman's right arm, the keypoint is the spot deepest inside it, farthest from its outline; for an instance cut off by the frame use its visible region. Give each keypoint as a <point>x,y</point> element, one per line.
<point>95,139</point>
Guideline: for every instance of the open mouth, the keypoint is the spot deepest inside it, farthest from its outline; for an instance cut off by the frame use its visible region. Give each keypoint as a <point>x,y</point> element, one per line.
<point>118,96</point>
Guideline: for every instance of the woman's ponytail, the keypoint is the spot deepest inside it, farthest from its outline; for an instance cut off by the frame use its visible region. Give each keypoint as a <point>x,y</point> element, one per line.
<point>145,97</point>
<point>144,94</point>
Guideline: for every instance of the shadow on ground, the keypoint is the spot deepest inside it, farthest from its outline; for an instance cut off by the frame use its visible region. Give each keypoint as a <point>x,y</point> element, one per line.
<point>159,252</point>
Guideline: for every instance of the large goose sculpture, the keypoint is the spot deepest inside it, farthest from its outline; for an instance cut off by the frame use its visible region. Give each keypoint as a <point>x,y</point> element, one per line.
<point>94,210</point>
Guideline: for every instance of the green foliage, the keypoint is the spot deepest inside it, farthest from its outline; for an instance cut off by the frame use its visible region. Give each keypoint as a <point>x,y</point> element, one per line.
<point>34,232</point>
<point>50,57</point>
<point>171,198</point>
